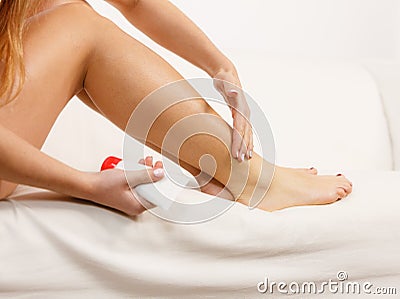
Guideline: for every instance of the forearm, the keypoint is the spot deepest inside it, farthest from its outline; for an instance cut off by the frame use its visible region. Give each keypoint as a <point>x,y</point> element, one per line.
<point>22,163</point>
<point>169,27</point>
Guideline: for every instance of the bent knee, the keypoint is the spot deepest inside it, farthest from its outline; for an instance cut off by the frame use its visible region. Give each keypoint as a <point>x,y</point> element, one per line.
<point>70,19</point>
<point>54,34</point>
<point>124,3</point>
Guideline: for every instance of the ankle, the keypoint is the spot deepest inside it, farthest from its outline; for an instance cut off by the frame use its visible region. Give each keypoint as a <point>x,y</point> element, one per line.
<point>251,179</point>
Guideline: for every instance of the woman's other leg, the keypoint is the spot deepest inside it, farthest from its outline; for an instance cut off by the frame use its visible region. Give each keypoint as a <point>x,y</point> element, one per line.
<point>54,76</point>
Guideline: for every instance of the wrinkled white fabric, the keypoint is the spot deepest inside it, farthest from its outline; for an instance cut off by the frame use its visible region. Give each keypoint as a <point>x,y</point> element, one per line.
<point>55,247</point>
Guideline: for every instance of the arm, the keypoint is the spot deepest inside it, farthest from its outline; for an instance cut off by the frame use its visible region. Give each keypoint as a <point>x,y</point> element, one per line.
<point>168,26</point>
<point>24,164</point>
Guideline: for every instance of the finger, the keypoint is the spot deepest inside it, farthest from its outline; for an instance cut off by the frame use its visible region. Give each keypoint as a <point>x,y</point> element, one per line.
<point>236,143</point>
<point>231,96</point>
<point>237,99</point>
<point>238,135</point>
<point>231,89</point>
<point>247,146</point>
<point>250,145</point>
<point>158,164</point>
<point>149,161</point>
<point>144,176</point>
<point>233,93</point>
<point>243,149</point>
<point>249,141</point>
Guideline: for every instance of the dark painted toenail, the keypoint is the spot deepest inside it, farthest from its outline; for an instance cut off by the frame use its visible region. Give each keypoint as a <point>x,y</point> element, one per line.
<point>339,174</point>
<point>312,168</point>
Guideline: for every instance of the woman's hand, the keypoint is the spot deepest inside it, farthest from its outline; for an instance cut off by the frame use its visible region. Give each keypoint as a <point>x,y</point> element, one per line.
<point>228,84</point>
<point>110,187</point>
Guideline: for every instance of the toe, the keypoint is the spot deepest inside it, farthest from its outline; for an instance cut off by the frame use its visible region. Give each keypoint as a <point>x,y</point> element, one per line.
<point>312,170</point>
<point>158,164</point>
<point>341,193</point>
<point>148,161</point>
<point>347,187</point>
<point>345,184</point>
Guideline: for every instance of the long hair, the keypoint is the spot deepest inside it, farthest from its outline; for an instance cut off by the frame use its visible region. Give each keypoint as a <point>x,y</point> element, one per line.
<point>13,16</point>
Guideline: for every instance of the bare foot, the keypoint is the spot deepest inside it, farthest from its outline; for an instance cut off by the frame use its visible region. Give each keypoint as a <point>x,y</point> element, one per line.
<point>289,187</point>
<point>298,187</point>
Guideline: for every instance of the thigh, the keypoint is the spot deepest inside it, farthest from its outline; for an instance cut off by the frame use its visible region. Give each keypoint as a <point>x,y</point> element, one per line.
<point>122,72</point>
<point>57,45</point>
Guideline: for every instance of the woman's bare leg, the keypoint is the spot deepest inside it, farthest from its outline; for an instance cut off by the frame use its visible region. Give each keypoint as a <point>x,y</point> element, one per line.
<point>122,72</point>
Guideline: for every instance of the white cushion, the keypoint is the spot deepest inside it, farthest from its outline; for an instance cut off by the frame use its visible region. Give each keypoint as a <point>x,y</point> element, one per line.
<point>387,76</point>
<point>57,247</point>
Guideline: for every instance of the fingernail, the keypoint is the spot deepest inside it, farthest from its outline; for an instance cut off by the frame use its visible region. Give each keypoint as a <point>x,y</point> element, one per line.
<point>237,155</point>
<point>242,157</point>
<point>233,91</point>
<point>250,154</point>
<point>159,172</point>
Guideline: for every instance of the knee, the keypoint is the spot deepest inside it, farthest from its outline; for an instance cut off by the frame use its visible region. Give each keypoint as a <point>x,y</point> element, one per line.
<point>75,17</point>
<point>75,25</point>
<point>126,4</point>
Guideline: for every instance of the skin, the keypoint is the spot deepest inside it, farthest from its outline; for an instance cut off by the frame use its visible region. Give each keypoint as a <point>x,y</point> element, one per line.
<point>134,72</point>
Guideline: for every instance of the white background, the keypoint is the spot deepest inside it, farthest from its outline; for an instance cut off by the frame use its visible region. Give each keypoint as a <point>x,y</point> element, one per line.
<point>338,29</point>
<point>354,29</point>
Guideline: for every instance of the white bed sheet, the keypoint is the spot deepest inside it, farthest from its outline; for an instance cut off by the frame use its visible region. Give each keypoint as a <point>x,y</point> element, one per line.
<point>56,247</point>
